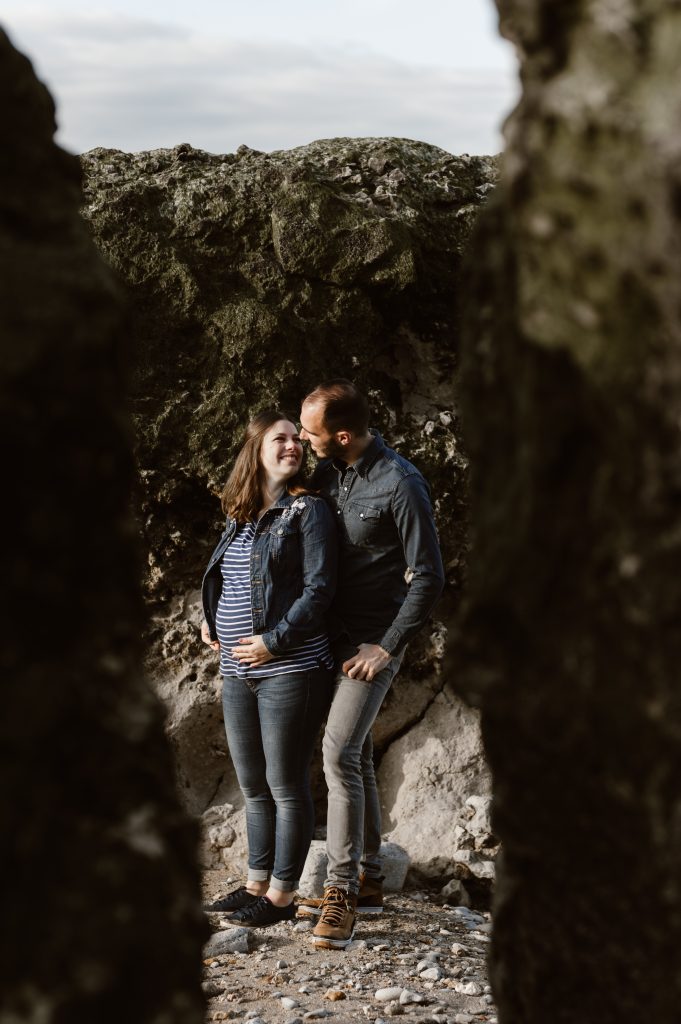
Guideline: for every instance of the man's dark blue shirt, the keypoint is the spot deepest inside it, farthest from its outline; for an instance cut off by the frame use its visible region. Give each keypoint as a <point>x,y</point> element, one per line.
<point>381,504</point>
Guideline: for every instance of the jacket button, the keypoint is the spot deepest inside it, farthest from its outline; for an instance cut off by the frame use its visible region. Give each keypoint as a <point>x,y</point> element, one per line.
<point>361,515</point>
<point>280,533</point>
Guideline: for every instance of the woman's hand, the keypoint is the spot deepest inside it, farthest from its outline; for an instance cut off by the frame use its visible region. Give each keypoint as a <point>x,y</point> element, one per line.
<point>252,651</point>
<point>205,636</point>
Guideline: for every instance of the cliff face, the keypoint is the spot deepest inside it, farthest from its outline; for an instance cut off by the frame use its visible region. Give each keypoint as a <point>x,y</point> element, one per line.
<point>102,890</point>
<point>572,639</point>
<point>250,278</point>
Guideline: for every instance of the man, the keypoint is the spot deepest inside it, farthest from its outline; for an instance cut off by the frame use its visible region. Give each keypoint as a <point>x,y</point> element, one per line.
<point>382,507</point>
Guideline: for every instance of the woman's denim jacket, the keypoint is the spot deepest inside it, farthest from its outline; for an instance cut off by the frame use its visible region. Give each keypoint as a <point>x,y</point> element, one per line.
<point>293,572</point>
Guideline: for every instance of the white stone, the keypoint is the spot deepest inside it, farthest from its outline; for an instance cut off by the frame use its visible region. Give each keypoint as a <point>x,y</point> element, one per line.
<point>468,988</point>
<point>432,974</point>
<point>479,865</point>
<point>456,892</point>
<point>229,940</point>
<point>408,997</point>
<point>394,865</point>
<point>288,1003</point>
<point>384,995</point>
<point>458,949</point>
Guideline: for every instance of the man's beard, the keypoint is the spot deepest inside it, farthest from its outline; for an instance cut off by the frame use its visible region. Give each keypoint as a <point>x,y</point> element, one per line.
<point>333,450</point>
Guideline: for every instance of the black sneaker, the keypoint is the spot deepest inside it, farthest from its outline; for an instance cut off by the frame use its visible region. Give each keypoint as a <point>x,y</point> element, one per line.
<point>236,900</point>
<point>263,913</point>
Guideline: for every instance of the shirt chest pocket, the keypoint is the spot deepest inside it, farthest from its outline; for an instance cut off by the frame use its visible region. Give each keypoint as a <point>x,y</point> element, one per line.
<point>364,522</point>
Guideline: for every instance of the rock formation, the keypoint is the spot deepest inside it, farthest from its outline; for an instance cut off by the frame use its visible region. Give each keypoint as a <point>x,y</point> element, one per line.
<point>101,893</point>
<point>572,638</point>
<point>250,277</point>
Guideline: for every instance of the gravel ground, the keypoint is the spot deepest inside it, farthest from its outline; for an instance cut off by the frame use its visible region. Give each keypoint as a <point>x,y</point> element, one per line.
<point>419,959</point>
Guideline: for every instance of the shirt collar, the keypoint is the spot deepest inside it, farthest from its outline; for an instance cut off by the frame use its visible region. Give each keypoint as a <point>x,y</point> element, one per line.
<point>367,458</point>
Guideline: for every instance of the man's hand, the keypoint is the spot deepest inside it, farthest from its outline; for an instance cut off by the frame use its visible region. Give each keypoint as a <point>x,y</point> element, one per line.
<point>251,651</point>
<point>367,663</point>
<point>205,636</point>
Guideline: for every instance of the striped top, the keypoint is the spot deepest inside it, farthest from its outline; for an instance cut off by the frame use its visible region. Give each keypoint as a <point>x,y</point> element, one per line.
<point>234,619</point>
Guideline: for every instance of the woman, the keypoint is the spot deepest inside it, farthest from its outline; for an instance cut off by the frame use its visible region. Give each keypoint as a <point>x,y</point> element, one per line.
<point>265,592</point>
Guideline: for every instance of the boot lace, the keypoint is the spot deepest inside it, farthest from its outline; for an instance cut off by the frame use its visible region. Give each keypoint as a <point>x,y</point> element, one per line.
<point>334,908</point>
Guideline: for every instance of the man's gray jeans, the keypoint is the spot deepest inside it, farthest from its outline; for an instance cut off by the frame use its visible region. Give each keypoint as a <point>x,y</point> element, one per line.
<point>353,830</point>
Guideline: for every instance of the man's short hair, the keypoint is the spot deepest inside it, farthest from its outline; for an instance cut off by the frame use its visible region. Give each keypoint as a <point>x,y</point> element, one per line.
<point>343,406</point>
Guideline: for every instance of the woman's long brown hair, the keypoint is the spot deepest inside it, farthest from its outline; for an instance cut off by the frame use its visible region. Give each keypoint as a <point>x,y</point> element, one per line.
<point>242,495</point>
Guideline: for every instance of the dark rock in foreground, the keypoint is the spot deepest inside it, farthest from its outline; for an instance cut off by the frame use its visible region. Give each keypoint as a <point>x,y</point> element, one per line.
<point>572,641</point>
<point>100,891</point>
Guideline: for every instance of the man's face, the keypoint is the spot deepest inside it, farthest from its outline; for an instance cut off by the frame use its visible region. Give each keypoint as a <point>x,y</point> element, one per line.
<point>312,430</point>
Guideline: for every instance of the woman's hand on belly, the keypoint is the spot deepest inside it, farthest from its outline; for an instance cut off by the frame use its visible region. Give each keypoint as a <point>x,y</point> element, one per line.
<point>251,651</point>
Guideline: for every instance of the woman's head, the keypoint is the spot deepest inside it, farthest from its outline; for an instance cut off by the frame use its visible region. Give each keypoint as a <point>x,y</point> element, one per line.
<point>271,453</point>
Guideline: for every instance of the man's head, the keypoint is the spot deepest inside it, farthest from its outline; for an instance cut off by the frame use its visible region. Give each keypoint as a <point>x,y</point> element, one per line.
<point>334,419</point>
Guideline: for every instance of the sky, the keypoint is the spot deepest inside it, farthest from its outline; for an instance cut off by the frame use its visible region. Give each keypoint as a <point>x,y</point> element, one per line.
<point>269,74</point>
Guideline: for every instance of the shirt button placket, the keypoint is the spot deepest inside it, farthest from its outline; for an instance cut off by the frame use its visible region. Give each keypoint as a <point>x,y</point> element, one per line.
<point>343,488</point>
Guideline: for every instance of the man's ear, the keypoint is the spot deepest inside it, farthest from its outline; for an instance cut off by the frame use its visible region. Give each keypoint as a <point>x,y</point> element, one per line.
<point>343,437</point>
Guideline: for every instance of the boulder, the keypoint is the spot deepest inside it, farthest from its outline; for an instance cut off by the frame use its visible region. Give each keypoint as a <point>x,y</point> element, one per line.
<point>395,861</point>
<point>426,777</point>
<point>250,277</point>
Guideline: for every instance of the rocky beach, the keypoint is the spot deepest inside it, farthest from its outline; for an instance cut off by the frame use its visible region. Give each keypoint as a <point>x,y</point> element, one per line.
<point>423,959</point>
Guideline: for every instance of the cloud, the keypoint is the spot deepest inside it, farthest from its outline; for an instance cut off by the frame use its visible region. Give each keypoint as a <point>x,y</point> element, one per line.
<point>131,84</point>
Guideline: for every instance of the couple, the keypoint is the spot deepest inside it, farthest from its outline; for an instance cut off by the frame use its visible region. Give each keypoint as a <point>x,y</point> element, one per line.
<point>307,600</point>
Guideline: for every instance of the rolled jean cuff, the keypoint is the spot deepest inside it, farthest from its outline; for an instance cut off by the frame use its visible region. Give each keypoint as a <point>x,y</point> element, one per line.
<point>258,875</point>
<point>276,883</point>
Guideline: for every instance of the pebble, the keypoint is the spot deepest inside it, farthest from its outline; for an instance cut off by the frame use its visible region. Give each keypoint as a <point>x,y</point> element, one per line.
<point>303,926</point>
<point>468,988</point>
<point>213,987</point>
<point>411,997</point>
<point>231,940</point>
<point>384,995</point>
<point>430,957</point>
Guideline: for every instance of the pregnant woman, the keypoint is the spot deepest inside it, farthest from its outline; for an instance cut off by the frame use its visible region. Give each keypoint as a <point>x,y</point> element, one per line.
<point>265,592</point>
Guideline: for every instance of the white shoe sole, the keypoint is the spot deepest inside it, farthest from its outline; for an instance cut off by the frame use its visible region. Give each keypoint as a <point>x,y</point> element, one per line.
<point>316,911</point>
<point>321,942</point>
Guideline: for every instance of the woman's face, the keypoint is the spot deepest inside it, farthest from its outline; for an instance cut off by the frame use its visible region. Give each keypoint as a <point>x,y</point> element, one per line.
<point>281,452</point>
